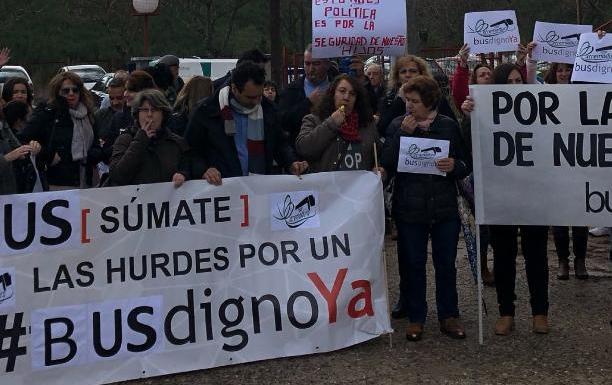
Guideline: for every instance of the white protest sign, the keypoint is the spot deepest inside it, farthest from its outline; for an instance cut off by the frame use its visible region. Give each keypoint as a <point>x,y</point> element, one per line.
<point>542,154</point>
<point>594,59</point>
<point>419,155</point>
<point>557,43</point>
<point>164,280</point>
<point>493,31</point>
<point>346,28</point>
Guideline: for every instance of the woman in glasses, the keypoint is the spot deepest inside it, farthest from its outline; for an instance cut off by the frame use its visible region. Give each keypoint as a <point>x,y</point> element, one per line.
<point>64,126</point>
<point>340,133</point>
<point>149,152</point>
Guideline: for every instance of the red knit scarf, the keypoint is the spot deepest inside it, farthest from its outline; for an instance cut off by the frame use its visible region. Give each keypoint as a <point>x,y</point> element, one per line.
<point>349,129</point>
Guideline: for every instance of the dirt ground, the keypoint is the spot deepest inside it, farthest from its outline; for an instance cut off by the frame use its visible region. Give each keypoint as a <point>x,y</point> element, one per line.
<point>578,349</point>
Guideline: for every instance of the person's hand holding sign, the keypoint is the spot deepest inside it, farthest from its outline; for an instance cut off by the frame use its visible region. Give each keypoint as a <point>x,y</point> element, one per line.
<point>339,116</point>
<point>409,124</point>
<point>445,164</point>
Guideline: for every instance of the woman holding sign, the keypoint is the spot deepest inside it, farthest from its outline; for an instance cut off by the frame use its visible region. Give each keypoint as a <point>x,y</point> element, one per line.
<point>426,155</point>
<point>561,73</point>
<point>534,241</point>
<point>341,133</point>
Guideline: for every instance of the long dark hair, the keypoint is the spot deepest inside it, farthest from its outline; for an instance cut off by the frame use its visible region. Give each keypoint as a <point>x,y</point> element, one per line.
<point>551,74</point>
<point>502,72</point>
<point>56,100</point>
<point>7,91</point>
<point>327,105</point>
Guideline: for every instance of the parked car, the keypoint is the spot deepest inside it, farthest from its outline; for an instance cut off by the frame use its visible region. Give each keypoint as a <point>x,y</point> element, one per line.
<point>90,73</point>
<point>7,72</point>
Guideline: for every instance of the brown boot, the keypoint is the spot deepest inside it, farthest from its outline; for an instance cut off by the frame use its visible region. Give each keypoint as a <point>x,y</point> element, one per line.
<point>563,272</point>
<point>580,268</point>
<point>414,332</point>
<point>452,327</point>
<point>540,324</point>
<point>504,325</point>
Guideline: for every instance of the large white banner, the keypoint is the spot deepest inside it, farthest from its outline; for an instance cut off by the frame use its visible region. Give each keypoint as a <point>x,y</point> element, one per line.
<point>557,43</point>
<point>347,28</point>
<point>543,154</point>
<point>106,285</point>
<point>492,31</point>
<point>593,59</point>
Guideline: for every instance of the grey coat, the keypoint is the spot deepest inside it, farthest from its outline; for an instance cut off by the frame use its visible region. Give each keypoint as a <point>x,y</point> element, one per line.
<point>321,145</point>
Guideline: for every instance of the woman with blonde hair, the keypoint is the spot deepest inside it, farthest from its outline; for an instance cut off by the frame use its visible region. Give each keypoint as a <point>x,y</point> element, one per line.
<point>393,104</point>
<point>196,89</point>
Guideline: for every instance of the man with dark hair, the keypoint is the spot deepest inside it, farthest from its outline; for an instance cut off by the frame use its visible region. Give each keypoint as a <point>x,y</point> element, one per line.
<point>298,99</point>
<point>253,55</point>
<point>236,132</point>
<point>104,116</point>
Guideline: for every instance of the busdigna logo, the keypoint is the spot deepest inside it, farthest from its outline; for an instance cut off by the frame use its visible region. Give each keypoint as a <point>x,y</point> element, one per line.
<point>590,54</point>
<point>483,29</point>
<point>553,39</point>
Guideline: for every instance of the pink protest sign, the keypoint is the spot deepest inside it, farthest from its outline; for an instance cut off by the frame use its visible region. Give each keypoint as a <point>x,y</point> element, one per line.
<point>358,27</point>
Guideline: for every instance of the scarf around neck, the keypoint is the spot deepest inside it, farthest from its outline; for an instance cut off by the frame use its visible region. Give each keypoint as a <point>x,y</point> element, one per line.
<point>424,124</point>
<point>349,130</point>
<point>255,132</point>
<point>82,132</point>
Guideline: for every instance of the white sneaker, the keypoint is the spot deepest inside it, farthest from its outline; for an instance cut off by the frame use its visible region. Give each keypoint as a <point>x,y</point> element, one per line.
<point>599,231</point>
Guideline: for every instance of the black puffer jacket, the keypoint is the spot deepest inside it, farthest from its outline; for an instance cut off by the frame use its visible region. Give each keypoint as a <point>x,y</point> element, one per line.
<point>423,198</point>
<point>52,127</point>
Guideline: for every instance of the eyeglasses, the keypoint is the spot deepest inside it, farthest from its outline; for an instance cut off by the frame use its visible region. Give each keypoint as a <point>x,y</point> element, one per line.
<point>344,92</point>
<point>65,91</point>
<point>411,70</point>
<point>148,110</point>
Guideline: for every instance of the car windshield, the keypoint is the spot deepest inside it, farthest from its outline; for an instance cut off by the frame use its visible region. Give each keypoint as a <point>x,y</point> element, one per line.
<point>90,75</point>
<point>6,74</point>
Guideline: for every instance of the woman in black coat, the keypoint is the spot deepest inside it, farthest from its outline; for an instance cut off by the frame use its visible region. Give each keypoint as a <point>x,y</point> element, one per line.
<point>425,205</point>
<point>64,126</point>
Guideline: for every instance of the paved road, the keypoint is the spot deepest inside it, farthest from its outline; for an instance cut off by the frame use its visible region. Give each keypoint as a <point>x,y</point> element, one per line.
<point>577,351</point>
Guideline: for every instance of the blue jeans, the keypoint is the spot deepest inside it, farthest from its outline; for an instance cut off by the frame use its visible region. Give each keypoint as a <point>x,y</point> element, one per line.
<point>412,239</point>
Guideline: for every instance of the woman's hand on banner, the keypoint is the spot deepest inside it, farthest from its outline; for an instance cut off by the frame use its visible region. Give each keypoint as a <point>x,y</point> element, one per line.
<point>298,168</point>
<point>18,153</point>
<point>212,176</point>
<point>178,179</point>
<point>380,171</point>
<point>35,147</point>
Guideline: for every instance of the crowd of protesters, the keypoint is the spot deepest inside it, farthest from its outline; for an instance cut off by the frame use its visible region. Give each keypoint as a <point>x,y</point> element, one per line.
<point>153,128</point>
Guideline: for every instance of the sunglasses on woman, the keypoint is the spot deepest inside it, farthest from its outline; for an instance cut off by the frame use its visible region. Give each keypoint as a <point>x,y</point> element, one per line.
<point>65,91</point>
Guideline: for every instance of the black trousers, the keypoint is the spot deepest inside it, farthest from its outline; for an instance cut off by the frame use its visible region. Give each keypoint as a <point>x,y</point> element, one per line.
<point>580,236</point>
<point>534,241</point>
